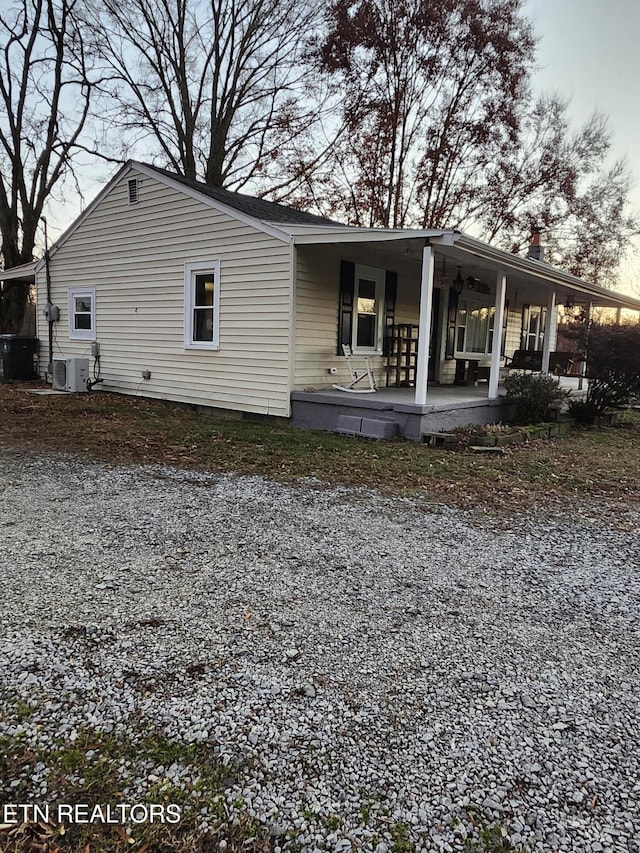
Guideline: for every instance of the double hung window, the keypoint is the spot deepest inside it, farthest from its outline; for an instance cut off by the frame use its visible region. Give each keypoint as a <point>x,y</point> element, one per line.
<point>534,320</point>
<point>82,313</point>
<point>368,307</point>
<point>202,305</point>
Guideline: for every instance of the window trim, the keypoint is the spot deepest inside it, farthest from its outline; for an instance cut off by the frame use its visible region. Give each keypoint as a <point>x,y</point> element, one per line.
<point>192,269</point>
<point>82,334</point>
<point>379,276</point>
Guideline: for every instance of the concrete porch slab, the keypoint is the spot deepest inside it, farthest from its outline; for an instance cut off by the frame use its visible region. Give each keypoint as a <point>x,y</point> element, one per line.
<point>448,407</point>
<point>332,410</point>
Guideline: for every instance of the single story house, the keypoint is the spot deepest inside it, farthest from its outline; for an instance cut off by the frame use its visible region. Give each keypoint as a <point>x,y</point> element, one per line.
<point>176,290</point>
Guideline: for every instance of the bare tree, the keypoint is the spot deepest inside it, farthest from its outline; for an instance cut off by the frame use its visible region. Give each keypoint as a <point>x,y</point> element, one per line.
<point>440,130</point>
<point>428,92</point>
<point>205,85</point>
<point>562,181</point>
<point>45,95</point>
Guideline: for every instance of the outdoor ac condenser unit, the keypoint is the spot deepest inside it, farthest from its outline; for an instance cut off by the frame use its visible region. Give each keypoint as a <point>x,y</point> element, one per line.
<point>70,374</point>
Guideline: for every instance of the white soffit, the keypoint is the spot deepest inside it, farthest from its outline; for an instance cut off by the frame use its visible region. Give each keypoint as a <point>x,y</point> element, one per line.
<point>542,273</point>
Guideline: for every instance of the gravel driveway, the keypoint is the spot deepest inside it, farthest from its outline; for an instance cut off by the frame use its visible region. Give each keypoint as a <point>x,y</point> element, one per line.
<point>376,674</point>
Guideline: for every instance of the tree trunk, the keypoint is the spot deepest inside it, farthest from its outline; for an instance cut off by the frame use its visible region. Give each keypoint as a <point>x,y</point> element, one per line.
<point>14,297</point>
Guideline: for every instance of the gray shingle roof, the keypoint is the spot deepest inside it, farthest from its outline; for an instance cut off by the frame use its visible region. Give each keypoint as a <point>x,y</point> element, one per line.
<point>258,208</point>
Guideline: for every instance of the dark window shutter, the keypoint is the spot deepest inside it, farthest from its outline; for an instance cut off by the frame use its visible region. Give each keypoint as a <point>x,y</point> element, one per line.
<point>390,293</point>
<point>345,308</point>
<point>524,330</point>
<point>451,324</point>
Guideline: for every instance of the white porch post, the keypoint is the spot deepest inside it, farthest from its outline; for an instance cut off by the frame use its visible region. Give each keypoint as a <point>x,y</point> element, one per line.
<point>549,330</point>
<point>496,345</point>
<point>424,329</point>
<point>583,364</point>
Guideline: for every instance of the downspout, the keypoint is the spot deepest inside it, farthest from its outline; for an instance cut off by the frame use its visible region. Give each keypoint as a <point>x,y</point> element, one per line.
<point>48,276</point>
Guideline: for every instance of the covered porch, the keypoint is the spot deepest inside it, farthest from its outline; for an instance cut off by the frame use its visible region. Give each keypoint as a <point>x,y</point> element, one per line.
<point>438,315</point>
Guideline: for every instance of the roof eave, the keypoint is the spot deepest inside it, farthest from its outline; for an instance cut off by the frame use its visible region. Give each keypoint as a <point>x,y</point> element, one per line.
<point>544,273</point>
<point>348,234</point>
<point>24,272</point>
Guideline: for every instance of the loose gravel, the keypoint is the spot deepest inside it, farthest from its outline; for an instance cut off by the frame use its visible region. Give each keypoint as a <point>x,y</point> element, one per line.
<point>375,674</point>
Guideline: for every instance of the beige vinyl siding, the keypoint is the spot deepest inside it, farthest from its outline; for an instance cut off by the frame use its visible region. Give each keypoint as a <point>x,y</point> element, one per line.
<point>317,300</point>
<point>134,256</point>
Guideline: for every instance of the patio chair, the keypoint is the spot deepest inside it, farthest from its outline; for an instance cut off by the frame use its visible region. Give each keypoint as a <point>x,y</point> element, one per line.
<point>357,375</point>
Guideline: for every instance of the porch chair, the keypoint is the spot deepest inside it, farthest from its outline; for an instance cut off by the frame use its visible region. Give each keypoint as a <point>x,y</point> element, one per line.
<point>357,375</point>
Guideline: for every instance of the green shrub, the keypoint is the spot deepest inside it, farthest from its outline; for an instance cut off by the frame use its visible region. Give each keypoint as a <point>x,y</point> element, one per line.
<point>613,366</point>
<point>583,411</point>
<point>534,395</point>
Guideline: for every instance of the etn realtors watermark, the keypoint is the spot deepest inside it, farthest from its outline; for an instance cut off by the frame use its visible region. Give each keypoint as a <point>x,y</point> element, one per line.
<point>84,813</point>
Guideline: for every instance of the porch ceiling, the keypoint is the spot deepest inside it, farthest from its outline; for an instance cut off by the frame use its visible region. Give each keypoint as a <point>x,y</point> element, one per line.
<point>520,286</point>
<point>529,278</point>
<point>532,279</point>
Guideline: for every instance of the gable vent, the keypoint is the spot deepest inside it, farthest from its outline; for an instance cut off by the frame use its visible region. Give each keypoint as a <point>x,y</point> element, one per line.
<point>133,191</point>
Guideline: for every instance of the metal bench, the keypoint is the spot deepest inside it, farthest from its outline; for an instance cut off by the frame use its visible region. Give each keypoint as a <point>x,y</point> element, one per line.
<point>561,363</point>
<point>524,359</point>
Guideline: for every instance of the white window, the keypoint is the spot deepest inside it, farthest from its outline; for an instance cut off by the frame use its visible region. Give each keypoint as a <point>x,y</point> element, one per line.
<point>202,305</point>
<point>368,307</point>
<point>474,328</point>
<point>534,320</point>
<point>82,313</point>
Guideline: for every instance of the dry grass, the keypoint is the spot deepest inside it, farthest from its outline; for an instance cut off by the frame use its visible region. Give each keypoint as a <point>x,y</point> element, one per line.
<point>115,428</point>
<point>90,771</point>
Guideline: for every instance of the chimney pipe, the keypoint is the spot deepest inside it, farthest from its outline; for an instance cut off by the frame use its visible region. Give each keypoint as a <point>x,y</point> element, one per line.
<point>536,250</point>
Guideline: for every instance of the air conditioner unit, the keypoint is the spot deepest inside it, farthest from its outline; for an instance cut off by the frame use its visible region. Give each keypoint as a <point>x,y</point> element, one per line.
<point>70,374</point>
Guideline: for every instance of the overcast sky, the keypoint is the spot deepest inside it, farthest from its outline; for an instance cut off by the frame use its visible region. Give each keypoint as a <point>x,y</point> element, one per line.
<point>588,51</point>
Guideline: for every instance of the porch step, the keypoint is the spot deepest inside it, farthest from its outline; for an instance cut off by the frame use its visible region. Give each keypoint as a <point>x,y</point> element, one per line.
<point>367,427</point>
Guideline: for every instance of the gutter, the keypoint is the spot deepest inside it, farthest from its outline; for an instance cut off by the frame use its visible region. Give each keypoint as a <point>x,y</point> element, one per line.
<point>363,235</point>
